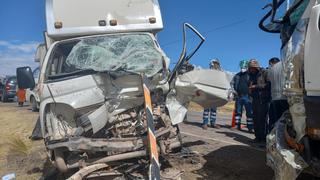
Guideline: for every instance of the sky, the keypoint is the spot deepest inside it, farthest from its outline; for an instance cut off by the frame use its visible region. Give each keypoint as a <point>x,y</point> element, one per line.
<point>230,28</point>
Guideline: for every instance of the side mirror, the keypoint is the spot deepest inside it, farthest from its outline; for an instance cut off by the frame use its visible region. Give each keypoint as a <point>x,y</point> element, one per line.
<point>25,78</point>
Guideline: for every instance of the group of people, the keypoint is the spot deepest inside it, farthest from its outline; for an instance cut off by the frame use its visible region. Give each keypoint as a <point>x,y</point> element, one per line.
<point>259,92</point>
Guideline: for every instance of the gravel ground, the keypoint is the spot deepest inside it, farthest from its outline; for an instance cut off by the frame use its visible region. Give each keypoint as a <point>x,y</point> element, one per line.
<point>211,154</point>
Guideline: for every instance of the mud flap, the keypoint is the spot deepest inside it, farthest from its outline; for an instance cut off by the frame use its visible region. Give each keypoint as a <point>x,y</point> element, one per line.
<point>154,168</point>
<point>36,133</point>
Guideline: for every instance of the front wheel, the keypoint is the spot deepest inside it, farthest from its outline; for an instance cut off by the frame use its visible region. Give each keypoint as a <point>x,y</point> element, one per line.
<point>59,161</point>
<point>4,98</point>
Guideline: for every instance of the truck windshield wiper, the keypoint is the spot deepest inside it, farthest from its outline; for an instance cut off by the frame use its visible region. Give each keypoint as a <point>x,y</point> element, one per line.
<point>74,73</point>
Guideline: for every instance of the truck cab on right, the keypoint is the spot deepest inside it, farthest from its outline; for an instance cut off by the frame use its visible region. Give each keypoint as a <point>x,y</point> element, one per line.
<point>293,146</point>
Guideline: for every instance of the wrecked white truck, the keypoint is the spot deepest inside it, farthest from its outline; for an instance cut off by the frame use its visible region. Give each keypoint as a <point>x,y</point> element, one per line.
<point>102,63</point>
<point>294,144</point>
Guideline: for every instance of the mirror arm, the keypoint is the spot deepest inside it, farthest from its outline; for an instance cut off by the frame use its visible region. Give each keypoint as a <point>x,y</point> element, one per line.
<point>261,23</point>
<point>274,6</point>
<point>183,56</point>
<point>199,45</point>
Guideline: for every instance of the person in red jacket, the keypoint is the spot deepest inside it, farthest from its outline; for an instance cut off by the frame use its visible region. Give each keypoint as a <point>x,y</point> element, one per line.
<point>21,94</point>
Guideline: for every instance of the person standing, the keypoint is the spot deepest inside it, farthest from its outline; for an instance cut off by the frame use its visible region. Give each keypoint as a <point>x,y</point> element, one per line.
<point>211,113</point>
<point>21,94</point>
<point>240,88</point>
<point>279,103</point>
<point>186,67</point>
<point>259,90</point>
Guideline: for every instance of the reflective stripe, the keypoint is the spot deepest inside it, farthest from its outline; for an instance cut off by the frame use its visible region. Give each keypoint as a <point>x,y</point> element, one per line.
<point>249,123</point>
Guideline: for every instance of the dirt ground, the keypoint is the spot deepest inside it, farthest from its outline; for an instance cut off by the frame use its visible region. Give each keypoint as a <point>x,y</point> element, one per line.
<point>208,154</point>
<point>18,154</point>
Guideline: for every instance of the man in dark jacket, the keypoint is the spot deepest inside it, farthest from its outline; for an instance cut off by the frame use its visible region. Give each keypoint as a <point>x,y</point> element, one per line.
<point>240,88</point>
<point>259,89</point>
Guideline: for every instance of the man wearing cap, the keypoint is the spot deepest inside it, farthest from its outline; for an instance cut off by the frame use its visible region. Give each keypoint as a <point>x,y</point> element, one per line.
<point>211,112</point>
<point>279,102</point>
<point>240,87</point>
<point>186,67</point>
<point>259,89</point>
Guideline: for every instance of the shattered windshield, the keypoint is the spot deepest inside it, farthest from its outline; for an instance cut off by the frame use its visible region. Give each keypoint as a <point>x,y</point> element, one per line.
<point>128,52</point>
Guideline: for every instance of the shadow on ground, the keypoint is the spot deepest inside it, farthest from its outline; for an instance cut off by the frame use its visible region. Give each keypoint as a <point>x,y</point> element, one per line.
<point>193,123</point>
<point>235,162</point>
<point>199,124</point>
<point>243,139</point>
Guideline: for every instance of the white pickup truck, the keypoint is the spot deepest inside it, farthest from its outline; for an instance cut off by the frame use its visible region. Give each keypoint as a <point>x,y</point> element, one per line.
<point>93,102</point>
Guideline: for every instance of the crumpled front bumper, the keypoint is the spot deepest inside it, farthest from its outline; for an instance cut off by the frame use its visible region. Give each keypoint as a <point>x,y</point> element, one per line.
<point>286,162</point>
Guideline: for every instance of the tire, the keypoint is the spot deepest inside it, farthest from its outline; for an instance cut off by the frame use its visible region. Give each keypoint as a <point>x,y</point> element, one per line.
<point>33,104</point>
<point>59,161</point>
<point>4,98</point>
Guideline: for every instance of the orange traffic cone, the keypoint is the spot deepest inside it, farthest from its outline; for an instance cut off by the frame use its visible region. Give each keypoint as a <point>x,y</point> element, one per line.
<point>233,122</point>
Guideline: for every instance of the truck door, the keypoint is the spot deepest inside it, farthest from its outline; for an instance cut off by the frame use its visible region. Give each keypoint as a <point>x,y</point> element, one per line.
<point>312,54</point>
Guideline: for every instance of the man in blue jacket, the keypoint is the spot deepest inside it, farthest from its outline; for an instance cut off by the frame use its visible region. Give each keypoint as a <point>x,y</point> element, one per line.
<point>240,87</point>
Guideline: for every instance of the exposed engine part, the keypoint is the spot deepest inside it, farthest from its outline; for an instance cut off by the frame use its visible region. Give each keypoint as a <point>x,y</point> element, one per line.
<point>119,157</point>
<point>87,170</point>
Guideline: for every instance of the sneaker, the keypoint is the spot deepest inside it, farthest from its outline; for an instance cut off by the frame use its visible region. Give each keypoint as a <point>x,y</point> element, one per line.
<point>205,127</point>
<point>250,131</point>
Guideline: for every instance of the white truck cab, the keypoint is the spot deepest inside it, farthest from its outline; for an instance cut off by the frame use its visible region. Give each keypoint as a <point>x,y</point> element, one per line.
<point>293,146</point>
<point>92,101</point>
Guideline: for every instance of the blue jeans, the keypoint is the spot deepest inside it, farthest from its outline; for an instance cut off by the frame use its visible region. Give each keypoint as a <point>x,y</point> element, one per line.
<point>212,113</point>
<point>246,102</point>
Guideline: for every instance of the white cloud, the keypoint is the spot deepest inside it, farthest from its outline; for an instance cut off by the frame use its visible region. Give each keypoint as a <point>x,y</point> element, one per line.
<point>13,55</point>
<point>27,47</point>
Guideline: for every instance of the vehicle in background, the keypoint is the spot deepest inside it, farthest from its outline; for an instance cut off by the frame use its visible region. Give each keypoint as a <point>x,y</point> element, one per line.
<point>8,88</point>
<point>32,94</point>
<point>1,85</point>
<point>293,146</point>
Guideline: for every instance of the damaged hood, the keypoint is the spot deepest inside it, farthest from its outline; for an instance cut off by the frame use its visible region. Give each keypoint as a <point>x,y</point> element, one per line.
<point>122,92</point>
<point>94,98</point>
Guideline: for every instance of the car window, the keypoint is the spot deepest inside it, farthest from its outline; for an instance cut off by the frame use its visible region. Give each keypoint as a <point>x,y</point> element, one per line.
<point>36,73</point>
<point>12,80</point>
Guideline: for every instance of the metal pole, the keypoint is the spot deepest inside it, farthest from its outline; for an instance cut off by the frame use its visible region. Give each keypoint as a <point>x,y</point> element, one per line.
<point>154,168</point>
